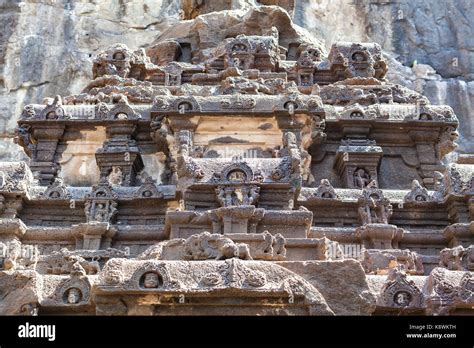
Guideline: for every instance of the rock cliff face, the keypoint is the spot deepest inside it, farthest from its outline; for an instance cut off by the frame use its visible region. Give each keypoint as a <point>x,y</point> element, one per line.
<point>47,47</point>
<point>231,162</point>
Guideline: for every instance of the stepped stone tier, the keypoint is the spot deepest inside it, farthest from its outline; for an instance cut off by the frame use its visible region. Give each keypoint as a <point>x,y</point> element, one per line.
<point>257,175</point>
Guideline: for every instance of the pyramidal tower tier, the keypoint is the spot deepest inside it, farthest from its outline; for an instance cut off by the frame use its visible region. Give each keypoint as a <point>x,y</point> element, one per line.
<point>257,162</point>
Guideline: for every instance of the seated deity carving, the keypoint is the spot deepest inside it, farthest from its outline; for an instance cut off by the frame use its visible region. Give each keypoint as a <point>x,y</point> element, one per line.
<point>361,178</point>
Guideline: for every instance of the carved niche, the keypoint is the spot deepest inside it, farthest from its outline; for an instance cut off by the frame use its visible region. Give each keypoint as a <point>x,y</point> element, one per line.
<point>119,159</point>
<point>100,204</point>
<point>122,111</point>
<point>235,173</point>
<point>417,193</point>
<point>358,60</point>
<point>306,65</point>
<point>357,162</point>
<point>400,293</point>
<point>149,189</point>
<point>75,291</point>
<point>374,213</point>
<point>57,190</point>
<point>120,61</point>
<point>374,208</point>
<point>54,111</point>
<point>325,190</point>
<point>151,276</point>
<point>253,52</point>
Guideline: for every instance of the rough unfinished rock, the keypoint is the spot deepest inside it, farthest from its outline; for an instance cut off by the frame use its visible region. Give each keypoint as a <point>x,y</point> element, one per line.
<point>21,292</point>
<point>352,297</point>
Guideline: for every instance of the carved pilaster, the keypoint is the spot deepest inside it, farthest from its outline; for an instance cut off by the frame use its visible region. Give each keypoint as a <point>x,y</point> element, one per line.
<point>44,164</point>
<point>380,236</point>
<point>374,208</point>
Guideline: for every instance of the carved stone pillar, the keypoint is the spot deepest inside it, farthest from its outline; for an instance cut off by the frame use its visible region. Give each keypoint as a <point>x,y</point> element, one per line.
<point>380,236</point>
<point>161,132</point>
<point>216,223</point>
<point>11,207</point>
<point>119,159</point>
<point>94,235</point>
<point>425,140</point>
<point>236,219</point>
<point>44,162</point>
<point>374,212</point>
<point>100,209</point>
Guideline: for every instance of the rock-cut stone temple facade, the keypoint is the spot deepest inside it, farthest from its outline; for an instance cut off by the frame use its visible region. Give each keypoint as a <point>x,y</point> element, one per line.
<point>256,175</point>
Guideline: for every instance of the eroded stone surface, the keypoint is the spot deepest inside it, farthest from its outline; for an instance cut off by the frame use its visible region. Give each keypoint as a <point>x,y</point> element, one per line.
<point>342,283</point>
<point>21,292</point>
<point>248,170</point>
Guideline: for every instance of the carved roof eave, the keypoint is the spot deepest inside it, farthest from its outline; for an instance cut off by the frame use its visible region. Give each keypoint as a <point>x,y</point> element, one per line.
<point>350,203</point>
<point>238,104</point>
<point>265,185</point>
<point>396,197</point>
<point>233,276</point>
<point>346,196</point>
<point>146,116</point>
<point>81,122</point>
<point>122,193</point>
<point>351,195</point>
<point>149,112</point>
<point>241,112</point>
<point>406,112</point>
<point>393,124</point>
<point>85,113</point>
<point>66,201</point>
<point>250,104</point>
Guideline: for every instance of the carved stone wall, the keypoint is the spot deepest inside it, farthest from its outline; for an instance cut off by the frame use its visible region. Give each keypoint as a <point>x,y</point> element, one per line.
<point>257,171</point>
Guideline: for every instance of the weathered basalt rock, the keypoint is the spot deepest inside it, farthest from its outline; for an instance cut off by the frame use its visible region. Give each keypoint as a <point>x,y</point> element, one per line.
<point>234,166</point>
